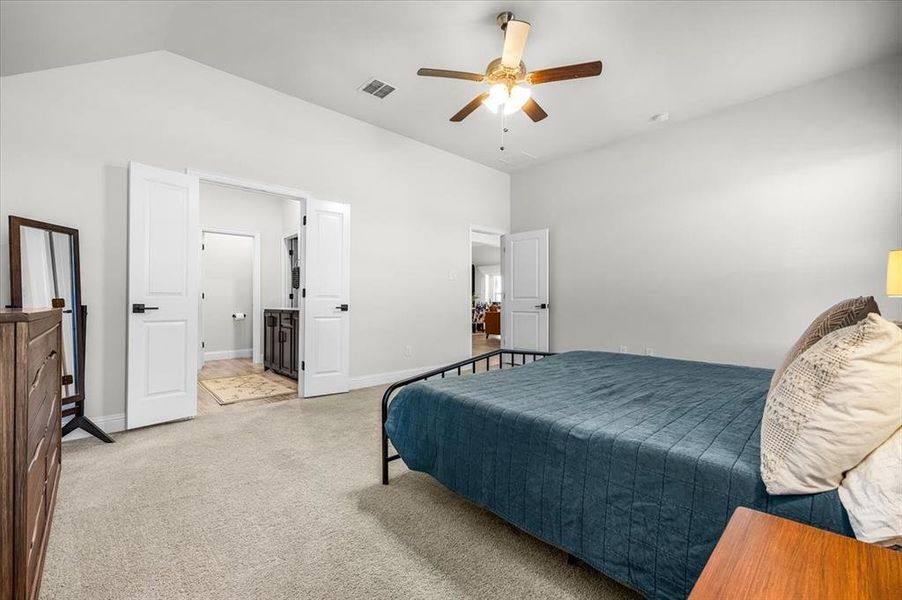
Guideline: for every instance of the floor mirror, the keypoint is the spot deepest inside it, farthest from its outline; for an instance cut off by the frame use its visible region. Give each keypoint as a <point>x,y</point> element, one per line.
<point>44,270</point>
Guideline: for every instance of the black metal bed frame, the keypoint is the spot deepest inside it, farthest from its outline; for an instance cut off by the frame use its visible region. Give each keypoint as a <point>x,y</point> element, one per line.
<point>441,372</point>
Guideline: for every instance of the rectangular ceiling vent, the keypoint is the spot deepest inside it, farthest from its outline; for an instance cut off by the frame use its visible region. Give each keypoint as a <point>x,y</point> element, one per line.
<point>376,88</point>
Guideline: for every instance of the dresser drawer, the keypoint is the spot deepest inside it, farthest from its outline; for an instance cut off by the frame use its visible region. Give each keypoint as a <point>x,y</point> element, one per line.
<point>35,501</point>
<point>43,378</point>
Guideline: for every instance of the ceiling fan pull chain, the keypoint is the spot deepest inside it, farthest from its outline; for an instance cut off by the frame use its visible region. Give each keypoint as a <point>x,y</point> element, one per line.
<point>503,129</point>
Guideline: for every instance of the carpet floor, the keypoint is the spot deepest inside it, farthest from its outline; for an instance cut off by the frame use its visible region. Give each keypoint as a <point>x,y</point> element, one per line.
<point>283,501</point>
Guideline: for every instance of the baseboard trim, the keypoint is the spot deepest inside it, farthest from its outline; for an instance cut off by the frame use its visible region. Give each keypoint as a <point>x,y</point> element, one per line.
<point>109,423</point>
<point>226,354</point>
<point>387,378</point>
<point>116,423</point>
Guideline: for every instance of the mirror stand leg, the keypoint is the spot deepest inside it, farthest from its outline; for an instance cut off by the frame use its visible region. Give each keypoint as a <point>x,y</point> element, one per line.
<point>83,422</point>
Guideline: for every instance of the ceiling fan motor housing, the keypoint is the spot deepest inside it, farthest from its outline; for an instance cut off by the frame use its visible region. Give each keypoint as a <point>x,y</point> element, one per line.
<point>496,72</point>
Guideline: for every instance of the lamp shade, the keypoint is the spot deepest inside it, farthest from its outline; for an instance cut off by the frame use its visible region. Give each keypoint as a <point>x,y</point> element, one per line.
<point>894,273</point>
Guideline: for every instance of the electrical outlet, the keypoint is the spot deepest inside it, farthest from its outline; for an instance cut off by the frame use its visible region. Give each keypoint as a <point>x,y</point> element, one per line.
<point>649,352</point>
<point>622,349</point>
<point>408,351</point>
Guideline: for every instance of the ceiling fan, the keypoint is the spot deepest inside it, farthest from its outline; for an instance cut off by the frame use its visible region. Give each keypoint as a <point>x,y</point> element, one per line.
<point>510,83</point>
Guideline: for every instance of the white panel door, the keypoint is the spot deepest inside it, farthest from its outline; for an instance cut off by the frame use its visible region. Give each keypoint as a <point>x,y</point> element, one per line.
<point>327,304</point>
<point>524,310</point>
<point>163,278</point>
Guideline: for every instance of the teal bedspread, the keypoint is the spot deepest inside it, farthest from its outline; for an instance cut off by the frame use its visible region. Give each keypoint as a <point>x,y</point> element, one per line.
<point>634,464</point>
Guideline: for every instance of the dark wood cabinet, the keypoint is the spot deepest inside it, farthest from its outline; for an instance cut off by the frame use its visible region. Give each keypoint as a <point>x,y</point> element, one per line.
<point>30,434</point>
<point>280,341</point>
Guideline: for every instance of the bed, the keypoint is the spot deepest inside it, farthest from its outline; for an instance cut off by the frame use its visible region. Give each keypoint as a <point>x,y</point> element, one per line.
<point>632,464</point>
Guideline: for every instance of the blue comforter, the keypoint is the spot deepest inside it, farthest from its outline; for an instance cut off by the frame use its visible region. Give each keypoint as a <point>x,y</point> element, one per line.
<point>633,464</point>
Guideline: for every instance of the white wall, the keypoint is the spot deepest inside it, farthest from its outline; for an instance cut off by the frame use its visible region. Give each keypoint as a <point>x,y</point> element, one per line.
<point>270,216</point>
<point>66,136</point>
<point>227,281</point>
<point>720,239</point>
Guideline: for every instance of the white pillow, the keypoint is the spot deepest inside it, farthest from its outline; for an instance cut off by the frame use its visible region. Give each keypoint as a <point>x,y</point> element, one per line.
<point>872,494</point>
<point>833,406</point>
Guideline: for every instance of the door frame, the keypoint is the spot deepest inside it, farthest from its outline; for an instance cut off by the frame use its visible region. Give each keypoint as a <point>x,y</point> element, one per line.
<point>266,188</point>
<point>256,319</point>
<point>474,233</point>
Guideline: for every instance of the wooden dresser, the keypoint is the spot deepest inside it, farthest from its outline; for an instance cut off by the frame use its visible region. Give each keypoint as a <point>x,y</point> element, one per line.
<point>30,436</point>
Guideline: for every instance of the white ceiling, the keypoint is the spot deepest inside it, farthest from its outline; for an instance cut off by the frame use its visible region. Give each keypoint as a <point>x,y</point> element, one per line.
<point>685,58</point>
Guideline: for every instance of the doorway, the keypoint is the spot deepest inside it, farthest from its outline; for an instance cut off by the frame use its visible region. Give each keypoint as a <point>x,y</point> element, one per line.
<point>229,294</point>
<point>486,290</point>
<point>164,288</point>
<point>241,284</point>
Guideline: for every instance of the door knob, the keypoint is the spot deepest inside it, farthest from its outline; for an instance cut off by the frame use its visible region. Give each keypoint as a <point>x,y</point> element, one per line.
<point>541,305</point>
<point>140,308</point>
<point>342,308</point>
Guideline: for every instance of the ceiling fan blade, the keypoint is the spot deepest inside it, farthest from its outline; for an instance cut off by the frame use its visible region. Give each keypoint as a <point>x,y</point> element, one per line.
<point>450,74</point>
<point>534,111</point>
<point>466,110</point>
<point>589,69</point>
<point>515,33</point>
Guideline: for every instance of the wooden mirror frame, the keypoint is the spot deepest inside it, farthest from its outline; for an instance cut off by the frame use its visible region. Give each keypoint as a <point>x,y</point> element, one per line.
<point>78,314</point>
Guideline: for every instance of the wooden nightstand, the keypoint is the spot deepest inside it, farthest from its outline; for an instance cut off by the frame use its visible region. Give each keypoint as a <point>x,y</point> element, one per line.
<point>763,556</point>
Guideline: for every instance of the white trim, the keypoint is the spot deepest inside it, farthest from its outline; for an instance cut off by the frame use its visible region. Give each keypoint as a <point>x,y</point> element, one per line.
<point>226,354</point>
<point>386,378</point>
<point>109,423</point>
<point>481,234</point>
<point>256,314</point>
<point>248,184</point>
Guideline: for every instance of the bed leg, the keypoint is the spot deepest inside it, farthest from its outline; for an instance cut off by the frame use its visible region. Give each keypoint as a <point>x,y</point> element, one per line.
<point>384,458</point>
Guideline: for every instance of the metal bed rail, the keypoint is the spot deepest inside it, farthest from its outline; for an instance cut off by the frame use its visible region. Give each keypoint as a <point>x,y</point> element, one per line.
<point>441,372</point>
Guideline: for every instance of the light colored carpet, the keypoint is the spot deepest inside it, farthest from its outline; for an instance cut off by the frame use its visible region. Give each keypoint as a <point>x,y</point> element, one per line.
<point>283,501</point>
<point>227,390</point>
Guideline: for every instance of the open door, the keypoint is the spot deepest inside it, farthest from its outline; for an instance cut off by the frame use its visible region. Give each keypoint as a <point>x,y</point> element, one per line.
<point>327,302</point>
<point>163,309</point>
<point>524,311</point>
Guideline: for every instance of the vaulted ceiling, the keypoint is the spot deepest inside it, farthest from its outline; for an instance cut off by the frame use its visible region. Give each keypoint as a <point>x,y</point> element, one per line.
<point>683,58</point>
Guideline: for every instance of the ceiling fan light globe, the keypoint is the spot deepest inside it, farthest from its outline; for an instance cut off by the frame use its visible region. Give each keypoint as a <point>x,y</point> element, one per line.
<point>519,95</point>
<point>497,97</point>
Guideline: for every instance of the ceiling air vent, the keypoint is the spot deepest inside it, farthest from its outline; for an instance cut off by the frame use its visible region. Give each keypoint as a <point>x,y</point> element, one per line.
<point>376,88</point>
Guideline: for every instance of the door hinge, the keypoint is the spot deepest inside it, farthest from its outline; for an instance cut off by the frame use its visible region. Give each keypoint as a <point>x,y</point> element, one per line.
<point>203,246</point>
<point>203,296</point>
<point>291,296</point>
<point>304,293</point>
<point>305,219</point>
<point>303,365</point>
<point>203,344</point>
<point>291,253</point>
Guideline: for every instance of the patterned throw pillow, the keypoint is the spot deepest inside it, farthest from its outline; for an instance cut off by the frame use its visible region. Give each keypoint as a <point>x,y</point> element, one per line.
<point>845,313</point>
<point>835,404</point>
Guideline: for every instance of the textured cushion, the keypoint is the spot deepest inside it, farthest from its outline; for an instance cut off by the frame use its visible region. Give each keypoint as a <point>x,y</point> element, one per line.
<point>836,403</point>
<point>872,494</point>
<point>845,313</point>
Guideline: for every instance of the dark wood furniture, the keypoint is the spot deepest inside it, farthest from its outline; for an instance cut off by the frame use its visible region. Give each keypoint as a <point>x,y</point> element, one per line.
<point>280,341</point>
<point>763,556</point>
<point>492,323</point>
<point>66,275</point>
<point>30,435</point>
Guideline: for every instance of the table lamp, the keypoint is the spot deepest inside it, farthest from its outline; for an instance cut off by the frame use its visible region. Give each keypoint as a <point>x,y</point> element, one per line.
<point>894,274</point>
